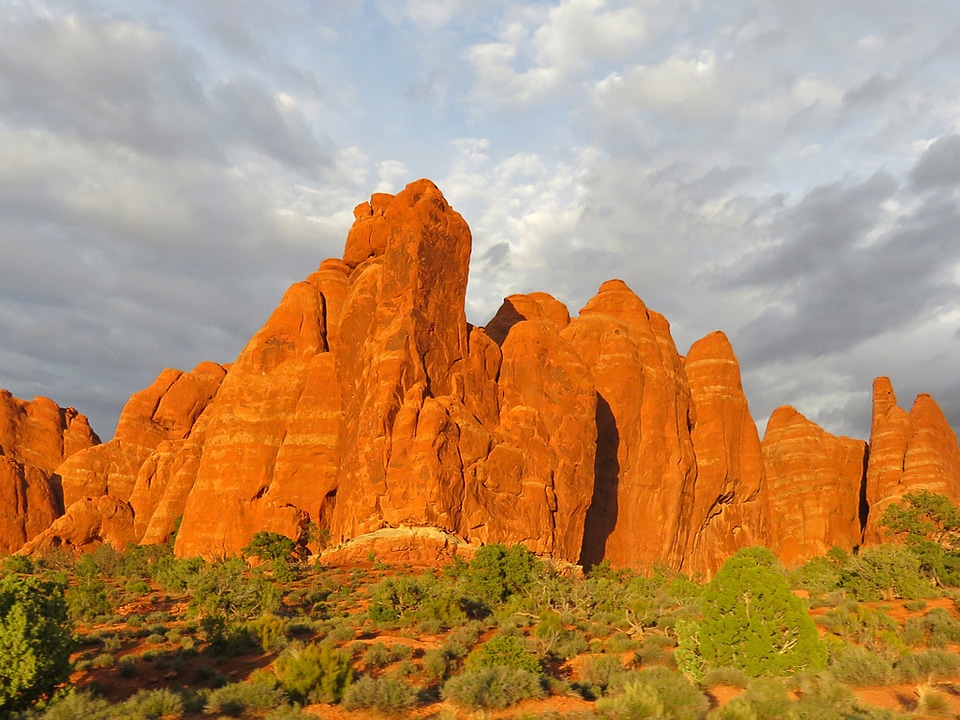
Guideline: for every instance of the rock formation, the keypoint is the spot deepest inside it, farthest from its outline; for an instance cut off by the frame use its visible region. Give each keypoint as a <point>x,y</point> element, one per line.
<point>908,452</point>
<point>645,462</point>
<point>728,507</point>
<point>134,468</point>
<point>367,407</point>
<point>366,402</point>
<point>813,484</point>
<point>35,438</point>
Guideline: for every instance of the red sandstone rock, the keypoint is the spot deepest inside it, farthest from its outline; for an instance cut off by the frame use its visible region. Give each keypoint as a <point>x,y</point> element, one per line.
<point>416,546</point>
<point>726,509</point>
<point>28,503</point>
<point>35,438</point>
<point>245,428</point>
<point>813,481</point>
<point>40,433</point>
<point>367,405</point>
<point>645,464</point>
<point>535,484</point>
<point>534,306</point>
<point>908,452</point>
<point>166,410</point>
<point>87,522</point>
<point>402,331</point>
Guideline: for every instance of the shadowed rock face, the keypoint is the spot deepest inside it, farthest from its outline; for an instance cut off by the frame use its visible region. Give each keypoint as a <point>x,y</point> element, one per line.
<point>645,462</point>
<point>367,406</point>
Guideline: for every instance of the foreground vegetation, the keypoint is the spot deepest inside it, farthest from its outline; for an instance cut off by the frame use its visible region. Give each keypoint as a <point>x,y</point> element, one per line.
<point>145,635</point>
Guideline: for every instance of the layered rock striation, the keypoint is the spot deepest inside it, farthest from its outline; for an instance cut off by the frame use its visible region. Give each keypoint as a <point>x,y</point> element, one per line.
<point>369,410</point>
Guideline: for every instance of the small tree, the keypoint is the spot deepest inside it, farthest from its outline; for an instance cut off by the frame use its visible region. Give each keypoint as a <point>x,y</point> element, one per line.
<point>35,640</point>
<point>753,622</point>
<point>277,550</point>
<point>930,525</point>
<point>497,572</point>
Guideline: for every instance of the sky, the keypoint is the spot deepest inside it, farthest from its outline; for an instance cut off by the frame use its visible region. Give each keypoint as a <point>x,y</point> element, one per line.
<point>787,172</point>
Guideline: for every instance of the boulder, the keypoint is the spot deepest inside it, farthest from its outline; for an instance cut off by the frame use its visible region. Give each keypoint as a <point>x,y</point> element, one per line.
<point>87,523</point>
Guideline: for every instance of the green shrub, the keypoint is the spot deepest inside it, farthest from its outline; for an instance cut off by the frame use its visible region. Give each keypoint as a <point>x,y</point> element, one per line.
<point>128,668</point>
<point>137,587</point>
<point>223,589</point>
<point>492,687</point>
<point>269,630</point>
<point>75,706</point>
<point>35,640</point>
<point>239,698</point>
<point>817,576</point>
<point>941,628</point>
<point>378,655</point>
<point>386,695</point>
<point>314,672</point>
<point>620,642</point>
<point>555,639</point>
<point>750,621</point>
<point>462,640</point>
<point>435,664</point>
<point>858,666</point>
<point>927,665</point>
<point>395,600</point>
<point>402,651</point>
<point>767,698</point>
<point>931,702</point>
<point>885,572</point>
<point>504,651</point>
<point>288,712</point>
<point>496,572</point>
<point>19,564</point>
<point>600,672</point>
<point>174,574</point>
<point>87,600</point>
<point>152,705</point>
<point>731,677</point>
<point>104,660</point>
<point>655,693</point>
<point>277,551</point>
<point>824,697</point>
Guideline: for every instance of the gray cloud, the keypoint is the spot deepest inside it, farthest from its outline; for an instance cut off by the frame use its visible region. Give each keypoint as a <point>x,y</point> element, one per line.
<point>829,287</point>
<point>939,165</point>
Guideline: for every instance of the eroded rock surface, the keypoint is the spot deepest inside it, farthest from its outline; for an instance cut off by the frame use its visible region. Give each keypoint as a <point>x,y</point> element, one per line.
<point>366,407</point>
<point>728,506</point>
<point>908,452</point>
<point>814,481</point>
<point>35,438</point>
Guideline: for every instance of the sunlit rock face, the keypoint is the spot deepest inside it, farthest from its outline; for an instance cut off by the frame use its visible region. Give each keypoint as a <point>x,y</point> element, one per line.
<point>909,451</point>
<point>35,438</point>
<point>367,410</point>
<point>813,485</point>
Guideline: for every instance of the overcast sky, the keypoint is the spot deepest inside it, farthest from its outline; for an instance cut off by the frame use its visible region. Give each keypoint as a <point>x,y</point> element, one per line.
<point>788,172</point>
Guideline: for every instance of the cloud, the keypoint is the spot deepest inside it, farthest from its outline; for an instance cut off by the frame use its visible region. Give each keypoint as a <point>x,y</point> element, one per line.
<point>540,54</point>
<point>939,166</point>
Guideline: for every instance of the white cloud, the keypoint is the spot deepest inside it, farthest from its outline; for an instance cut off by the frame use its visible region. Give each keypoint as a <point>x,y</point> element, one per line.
<point>431,15</point>
<point>539,54</point>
